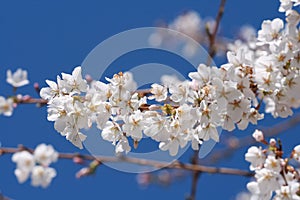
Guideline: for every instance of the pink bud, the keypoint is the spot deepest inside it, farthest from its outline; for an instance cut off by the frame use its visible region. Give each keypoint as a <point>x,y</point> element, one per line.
<point>88,78</point>
<point>143,179</point>
<point>83,172</point>
<point>164,177</point>
<point>26,98</point>
<point>258,135</point>
<point>36,86</point>
<point>78,160</point>
<point>19,97</point>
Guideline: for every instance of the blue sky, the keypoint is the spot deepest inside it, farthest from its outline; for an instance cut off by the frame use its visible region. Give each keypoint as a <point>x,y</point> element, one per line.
<point>50,37</point>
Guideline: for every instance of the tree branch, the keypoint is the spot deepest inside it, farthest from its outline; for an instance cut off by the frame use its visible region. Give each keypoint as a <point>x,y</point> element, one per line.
<point>213,35</point>
<point>153,163</point>
<point>196,175</point>
<point>248,140</point>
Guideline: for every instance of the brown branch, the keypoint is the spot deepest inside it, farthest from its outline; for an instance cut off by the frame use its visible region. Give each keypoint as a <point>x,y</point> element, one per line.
<point>196,175</point>
<point>153,163</point>
<point>213,35</point>
<point>248,140</point>
<point>32,101</point>
<point>212,52</point>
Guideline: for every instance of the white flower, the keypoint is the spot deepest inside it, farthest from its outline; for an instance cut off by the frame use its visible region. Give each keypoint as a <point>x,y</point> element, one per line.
<point>296,153</point>
<point>270,30</point>
<point>17,79</point>
<point>6,106</point>
<point>236,108</point>
<point>257,194</point>
<point>51,91</point>
<point>123,81</point>
<point>45,154</point>
<point>123,145</point>
<point>256,157</point>
<point>258,135</point>
<point>172,144</point>
<point>74,82</point>
<point>113,133</point>
<point>22,175</point>
<point>273,164</point>
<point>202,75</point>
<point>104,113</point>
<point>134,125</point>
<point>156,126</point>
<point>285,5</point>
<point>188,23</point>
<point>208,131</point>
<point>159,92</point>
<point>74,136</point>
<point>288,192</point>
<point>179,92</point>
<point>42,176</point>
<point>24,160</point>
<point>267,180</point>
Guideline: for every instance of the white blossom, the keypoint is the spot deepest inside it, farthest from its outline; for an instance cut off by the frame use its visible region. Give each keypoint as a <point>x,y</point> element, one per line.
<point>6,106</point>
<point>18,78</point>
<point>42,176</point>
<point>45,154</point>
<point>256,157</point>
<point>296,153</point>
<point>258,135</point>
<point>159,92</point>
<point>270,30</point>
<point>25,163</point>
<point>24,160</point>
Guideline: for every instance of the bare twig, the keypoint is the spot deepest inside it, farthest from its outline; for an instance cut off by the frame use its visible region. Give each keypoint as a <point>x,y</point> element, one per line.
<point>213,35</point>
<point>196,175</point>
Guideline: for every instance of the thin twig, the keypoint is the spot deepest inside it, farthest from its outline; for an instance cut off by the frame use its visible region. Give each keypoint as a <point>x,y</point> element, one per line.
<point>213,35</point>
<point>196,175</point>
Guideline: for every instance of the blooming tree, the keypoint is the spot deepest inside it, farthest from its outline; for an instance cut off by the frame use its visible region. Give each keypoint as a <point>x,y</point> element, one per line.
<point>262,75</point>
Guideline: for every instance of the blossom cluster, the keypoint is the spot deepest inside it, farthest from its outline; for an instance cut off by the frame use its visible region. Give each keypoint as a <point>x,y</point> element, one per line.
<point>188,23</point>
<point>275,176</point>
<point>36,165</point>
<point>264,69</point>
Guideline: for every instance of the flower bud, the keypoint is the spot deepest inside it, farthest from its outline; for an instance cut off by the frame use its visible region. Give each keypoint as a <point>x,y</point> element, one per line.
<point>272,142</point>
<point>26,98</point>
<point>36,86</point>
<point>78,160</point>
<point>83,172</point>
<point>258,135</point>
<point>88,78</point>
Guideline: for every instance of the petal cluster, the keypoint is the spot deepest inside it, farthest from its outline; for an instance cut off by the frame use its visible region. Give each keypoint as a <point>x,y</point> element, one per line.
<point>36,165</point>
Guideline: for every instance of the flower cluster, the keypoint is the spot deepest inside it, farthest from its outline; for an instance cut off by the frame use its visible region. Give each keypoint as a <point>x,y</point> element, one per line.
<point>188,23</point>
<point>273,58</point>
<point>275,177</point>
<point>36,165</point>
<point>265,69</point>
